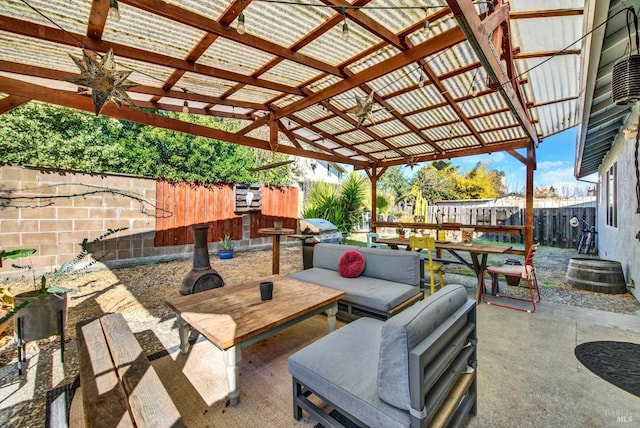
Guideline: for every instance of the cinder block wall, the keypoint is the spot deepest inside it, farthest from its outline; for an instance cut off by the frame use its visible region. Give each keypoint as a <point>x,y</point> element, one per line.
<point>54,211</point>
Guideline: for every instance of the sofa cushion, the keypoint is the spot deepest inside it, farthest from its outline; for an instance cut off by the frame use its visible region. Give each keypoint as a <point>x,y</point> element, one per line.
<point>362,291</point>
<point>351,264</point>
<point>392,265</point>
<point>327,256</point>
<point>342,367</point>
<point>401,333</point>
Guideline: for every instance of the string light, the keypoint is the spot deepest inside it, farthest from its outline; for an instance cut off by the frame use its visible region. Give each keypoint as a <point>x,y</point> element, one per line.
<point>474,89</point>
<point>114,11</point>
<point>185,104</point>
<point>240,28</point>
<point>425,24</point>
<point>345,26</point>
<point>421,81</point>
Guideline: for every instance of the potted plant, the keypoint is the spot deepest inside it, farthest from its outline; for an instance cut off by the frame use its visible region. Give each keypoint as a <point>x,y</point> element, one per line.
<point>6,298</point>
<point>42,312</point>
<point>400,231</point>
<point>226,248</point>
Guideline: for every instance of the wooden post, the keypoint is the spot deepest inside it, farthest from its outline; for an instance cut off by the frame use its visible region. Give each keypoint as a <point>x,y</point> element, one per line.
<point>373,175</point>
<point>528,213</point>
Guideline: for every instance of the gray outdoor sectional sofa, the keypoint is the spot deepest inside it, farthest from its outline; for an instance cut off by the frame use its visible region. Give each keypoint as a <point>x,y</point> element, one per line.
<point>416,369</point>
<point>389,283</point>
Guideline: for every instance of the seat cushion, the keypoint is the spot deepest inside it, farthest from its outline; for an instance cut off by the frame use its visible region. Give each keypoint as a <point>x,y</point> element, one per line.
<point>507,270</point>
<point>362,291</point>
<point>342,367</point>
<point>402,332</point>
<point>351,264</point>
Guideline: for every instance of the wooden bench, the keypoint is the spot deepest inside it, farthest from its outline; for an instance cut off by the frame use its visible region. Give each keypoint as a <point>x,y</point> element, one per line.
<point>118,385</point>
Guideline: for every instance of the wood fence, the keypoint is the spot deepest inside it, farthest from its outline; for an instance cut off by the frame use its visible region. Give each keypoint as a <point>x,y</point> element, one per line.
<point>188,204</point>
<point>550,225</point>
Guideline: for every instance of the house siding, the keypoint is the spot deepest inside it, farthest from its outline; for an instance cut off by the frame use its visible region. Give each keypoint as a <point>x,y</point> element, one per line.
<point>621,243</point>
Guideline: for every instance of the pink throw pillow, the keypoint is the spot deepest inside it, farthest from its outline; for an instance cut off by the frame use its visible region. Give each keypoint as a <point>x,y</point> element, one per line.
<point>351,264</point>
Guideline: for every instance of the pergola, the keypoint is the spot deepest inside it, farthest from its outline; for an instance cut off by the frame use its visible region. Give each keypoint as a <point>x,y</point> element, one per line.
<point>373,83</point>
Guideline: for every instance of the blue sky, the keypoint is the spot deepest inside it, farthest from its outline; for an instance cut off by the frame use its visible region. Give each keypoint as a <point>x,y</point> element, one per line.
<point>555,156</point>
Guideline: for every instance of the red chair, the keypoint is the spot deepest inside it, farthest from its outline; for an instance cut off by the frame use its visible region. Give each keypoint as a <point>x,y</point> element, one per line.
<point>526,272</point>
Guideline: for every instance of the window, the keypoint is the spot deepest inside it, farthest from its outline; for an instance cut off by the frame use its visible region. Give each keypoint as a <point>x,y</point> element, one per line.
<point>611,200</point>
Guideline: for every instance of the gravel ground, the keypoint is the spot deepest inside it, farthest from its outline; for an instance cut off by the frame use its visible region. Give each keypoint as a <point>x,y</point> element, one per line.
<point>139,293</point>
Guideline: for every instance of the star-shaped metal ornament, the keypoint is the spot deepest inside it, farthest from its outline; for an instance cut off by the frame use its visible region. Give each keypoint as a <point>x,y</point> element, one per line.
<point>105,81</point>
<point>363,110</point>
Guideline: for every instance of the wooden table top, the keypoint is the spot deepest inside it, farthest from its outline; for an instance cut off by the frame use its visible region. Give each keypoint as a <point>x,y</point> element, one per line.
<point>228,316</point>
<point>274,231</point>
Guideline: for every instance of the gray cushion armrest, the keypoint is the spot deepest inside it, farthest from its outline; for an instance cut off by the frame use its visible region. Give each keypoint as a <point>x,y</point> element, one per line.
<point>329,368</point>
<point>403,332</point>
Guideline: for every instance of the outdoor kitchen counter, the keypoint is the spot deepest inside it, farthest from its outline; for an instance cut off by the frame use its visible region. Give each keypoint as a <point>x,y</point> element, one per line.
<point>276,233</point>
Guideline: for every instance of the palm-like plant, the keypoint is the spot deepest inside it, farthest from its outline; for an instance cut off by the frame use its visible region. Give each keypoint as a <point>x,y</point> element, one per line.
<point>341,205</point>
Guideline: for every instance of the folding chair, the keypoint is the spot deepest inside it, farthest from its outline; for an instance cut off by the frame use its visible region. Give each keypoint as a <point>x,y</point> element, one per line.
<point>526,271</point>
<point>371,242</point>
<point>427,263</point>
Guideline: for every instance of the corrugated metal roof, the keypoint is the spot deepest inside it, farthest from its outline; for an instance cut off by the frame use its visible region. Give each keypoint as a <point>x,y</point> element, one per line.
<point>432,96</point>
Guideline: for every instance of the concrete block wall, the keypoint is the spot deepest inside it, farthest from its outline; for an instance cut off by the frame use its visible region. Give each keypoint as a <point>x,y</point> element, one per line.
<point>53,211</point>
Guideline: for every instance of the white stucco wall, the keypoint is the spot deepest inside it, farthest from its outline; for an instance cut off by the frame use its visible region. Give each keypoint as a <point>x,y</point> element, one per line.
<point>620,243</point>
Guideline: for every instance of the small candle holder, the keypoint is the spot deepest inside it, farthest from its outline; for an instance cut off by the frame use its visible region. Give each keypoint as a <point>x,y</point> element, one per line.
<point>467,236</point>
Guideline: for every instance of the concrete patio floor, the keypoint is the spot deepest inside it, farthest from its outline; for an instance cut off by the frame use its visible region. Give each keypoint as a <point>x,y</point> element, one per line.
<point>528,375</point>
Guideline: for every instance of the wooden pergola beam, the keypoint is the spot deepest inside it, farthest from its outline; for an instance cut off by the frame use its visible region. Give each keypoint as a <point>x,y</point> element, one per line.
<point>471,25</point>
<point>47,73</point>
<point>433,45</point>
<point>81,102</point>
<point>12,102</point>
<point>56,35</point>
<point>492,148</point>
<point>187,17</point>
<point>550,13</point>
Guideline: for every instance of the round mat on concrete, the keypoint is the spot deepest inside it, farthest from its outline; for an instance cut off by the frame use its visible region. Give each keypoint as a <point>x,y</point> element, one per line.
<point>615,362</point>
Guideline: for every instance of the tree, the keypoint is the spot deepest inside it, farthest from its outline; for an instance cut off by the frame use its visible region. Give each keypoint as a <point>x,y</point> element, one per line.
<point>440,180</point>
<point>44,135</point>
<point>435,181</point>
<point>394,182</point>
<point>480,183</point>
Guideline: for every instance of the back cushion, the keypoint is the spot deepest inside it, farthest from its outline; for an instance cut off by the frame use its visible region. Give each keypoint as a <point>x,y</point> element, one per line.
<point>392,265</point>
<point>327,256</point>
<point>403,332</point>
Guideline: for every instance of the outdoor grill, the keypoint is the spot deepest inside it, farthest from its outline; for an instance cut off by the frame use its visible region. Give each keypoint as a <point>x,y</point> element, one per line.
<point>314,231</point>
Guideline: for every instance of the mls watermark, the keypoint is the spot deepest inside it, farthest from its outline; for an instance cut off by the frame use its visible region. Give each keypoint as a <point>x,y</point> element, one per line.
<point>619,415</point>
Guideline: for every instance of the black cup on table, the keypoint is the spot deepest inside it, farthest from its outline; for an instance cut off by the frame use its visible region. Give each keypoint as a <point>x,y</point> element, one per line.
<point>266,290</point>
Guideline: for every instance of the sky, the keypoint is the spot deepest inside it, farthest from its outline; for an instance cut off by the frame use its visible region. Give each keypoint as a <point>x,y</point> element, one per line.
<point>555,160</point>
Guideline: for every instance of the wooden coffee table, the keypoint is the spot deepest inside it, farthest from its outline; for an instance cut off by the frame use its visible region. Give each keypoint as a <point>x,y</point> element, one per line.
<point>235,317</point>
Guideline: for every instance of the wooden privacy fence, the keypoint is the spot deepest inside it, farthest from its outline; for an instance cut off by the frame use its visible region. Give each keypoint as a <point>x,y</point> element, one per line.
<point>187,204</point>
<point>550,225</point>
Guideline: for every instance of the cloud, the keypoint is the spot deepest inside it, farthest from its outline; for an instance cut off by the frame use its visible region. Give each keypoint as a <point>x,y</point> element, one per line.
<point>488,159</point>
<point>551,164</point>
